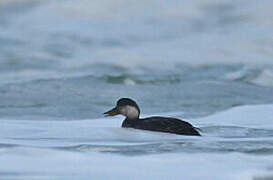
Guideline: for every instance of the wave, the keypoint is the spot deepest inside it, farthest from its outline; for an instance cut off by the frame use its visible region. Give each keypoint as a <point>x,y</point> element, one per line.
<point>34,76</point>
<point>235,136</point>
<point>185,32</point>
<point>256,75</point>
<point>252,116</point>
<point>160,166</point>
<point>114,74</point>
<point>241,122</point>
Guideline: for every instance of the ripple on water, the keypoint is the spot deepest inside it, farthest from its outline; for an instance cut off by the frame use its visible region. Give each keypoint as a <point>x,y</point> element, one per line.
<point>237,132</point>
<point>218,145</point>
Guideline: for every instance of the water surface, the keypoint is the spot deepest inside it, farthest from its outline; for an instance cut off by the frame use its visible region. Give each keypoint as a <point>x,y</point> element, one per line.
<point>64,63</point>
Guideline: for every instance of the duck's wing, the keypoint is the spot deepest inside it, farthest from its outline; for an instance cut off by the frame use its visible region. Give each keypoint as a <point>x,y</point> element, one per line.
<point>166,124</point>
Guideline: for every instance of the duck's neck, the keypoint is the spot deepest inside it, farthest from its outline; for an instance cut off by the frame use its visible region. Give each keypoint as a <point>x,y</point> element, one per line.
<point>129,122</point>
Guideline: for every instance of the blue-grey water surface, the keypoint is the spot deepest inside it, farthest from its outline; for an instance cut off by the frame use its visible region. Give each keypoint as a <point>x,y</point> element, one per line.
<point>64,63</point>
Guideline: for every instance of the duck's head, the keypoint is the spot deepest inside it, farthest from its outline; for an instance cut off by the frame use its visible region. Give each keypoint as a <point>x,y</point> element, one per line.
<point>126,107</point>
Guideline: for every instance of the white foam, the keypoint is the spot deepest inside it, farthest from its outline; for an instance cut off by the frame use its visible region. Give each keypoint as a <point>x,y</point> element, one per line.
<point>162,31</point>
<point>265,78</point>
<point>50,163</point>
<point>257,75</point>
<point>107,131</point>
<point>256,116</point>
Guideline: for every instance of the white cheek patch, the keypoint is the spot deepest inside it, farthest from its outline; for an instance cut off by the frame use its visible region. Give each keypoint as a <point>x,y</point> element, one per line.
<point>130,112</point>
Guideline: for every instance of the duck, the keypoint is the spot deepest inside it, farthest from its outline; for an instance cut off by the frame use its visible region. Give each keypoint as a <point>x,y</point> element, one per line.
<point>129,108</point>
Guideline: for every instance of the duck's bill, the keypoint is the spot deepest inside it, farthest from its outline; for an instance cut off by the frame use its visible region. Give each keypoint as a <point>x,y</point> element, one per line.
<point>112,112</point>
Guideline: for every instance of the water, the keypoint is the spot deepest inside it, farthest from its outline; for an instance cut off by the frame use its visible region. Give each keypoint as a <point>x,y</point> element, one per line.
<point>64,63</point>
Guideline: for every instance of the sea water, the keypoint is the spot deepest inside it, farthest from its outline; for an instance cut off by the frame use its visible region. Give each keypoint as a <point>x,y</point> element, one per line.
<point>64,63</point>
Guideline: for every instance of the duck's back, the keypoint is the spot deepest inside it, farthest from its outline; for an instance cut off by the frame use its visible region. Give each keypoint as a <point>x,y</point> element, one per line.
<point>162,124</point>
